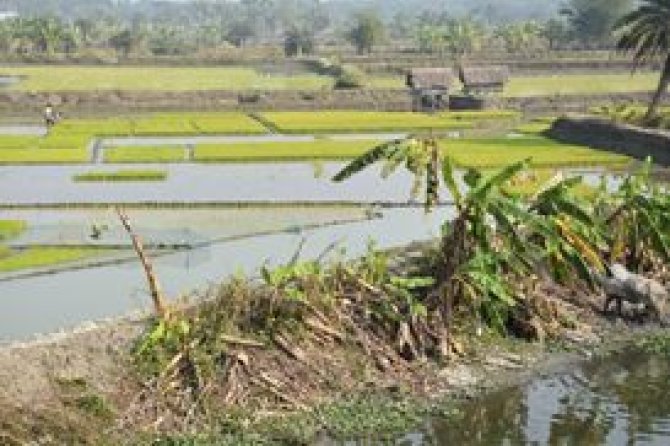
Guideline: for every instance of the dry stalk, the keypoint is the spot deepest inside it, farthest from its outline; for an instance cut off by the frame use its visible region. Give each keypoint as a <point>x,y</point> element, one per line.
<point>154,286</point>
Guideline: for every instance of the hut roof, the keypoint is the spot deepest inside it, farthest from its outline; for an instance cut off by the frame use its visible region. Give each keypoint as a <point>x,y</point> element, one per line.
<point>474,76</point>
<point>430,78</point>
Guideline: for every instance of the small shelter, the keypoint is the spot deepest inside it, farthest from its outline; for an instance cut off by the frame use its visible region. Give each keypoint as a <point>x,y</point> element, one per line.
<point>483,79</point>
<point>429,88</point>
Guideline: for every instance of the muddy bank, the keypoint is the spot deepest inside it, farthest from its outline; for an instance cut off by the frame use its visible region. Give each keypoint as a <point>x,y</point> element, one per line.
<point>604,134</point>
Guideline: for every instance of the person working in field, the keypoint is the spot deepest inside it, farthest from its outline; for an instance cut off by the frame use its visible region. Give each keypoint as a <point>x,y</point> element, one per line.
<point>50,116</point>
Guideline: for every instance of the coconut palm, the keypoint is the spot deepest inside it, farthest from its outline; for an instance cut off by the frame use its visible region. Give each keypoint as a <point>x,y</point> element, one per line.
<point>646,33</point>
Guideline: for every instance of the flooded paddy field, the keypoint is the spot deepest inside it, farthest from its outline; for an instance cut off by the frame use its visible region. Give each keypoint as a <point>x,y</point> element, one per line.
<point>289,182</point>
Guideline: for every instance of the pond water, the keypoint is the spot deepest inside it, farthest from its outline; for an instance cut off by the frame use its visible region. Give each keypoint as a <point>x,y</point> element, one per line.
<point>614,401</point>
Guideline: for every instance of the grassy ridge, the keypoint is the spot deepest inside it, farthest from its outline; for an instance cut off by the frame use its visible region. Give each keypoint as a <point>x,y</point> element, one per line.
<point>122,175</point>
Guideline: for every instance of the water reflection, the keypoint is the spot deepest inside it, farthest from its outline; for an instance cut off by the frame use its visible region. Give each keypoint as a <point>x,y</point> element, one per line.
<point>620,401</point>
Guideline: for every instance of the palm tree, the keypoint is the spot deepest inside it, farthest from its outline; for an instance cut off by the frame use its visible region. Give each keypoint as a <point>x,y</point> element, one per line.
<point>646,33</point>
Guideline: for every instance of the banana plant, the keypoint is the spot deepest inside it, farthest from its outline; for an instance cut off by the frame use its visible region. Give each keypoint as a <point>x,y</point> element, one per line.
<point>419,155</point>
<point>639,218</point>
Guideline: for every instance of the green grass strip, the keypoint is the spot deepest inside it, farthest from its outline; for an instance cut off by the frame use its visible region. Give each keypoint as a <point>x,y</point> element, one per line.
<point>121,176</point>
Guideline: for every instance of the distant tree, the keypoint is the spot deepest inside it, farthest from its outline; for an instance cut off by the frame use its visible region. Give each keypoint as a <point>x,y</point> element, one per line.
<point>591,21</point>
<point>645,32</point>
<point>368,31</point>
<point>519,36</point>
<point>85,28</point>
<point>240,32</point>
<point>463,36</point>
<point>123,41</point>
<point>556,32</point>
<point>298,41</point>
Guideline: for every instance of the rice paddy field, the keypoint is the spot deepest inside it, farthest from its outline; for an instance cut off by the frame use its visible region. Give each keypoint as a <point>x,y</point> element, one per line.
<point>543,152</point>
<point>38,78</point>
<point>567,84</point>
<point>351,122</point>
<point>69,141</point>
<point>80,78</point>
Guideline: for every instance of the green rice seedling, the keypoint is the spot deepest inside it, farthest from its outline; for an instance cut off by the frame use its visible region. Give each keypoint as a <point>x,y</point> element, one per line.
<point>282,151</point>
<point>542,152</point>
<point>356,121</point>
<point>121,176</point>
<point>39,257</point>
<point>160,154</point>
<point>43,156</point>
<point>17,142</point>
<point>11,228</point>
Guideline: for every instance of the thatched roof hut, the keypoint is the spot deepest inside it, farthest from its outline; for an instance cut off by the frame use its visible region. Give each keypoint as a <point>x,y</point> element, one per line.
<point>430,78</point>
<point>484,78</point>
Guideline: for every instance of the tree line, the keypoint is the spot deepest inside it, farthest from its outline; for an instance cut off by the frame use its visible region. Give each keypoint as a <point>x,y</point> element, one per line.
<point>299,27</point>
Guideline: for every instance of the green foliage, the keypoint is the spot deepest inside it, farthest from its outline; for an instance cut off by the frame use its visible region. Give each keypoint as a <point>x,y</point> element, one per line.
<point>367,31</point>
<point>645,32</point>
<point>592,20</point>
<point>420,156</point>
<point>657,344</point>
<point>499,237</point>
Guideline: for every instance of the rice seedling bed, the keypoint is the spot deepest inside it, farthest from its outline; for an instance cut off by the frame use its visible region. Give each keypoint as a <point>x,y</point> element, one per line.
<point>158,154</point>
<point>122,176</point>
<point>354,121</point>
<point>11,228</point>
<point>18,142</point>
<point>282,151</point>
<point>43,156</point>
<point>544,152</point>
<point>37,257</point>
